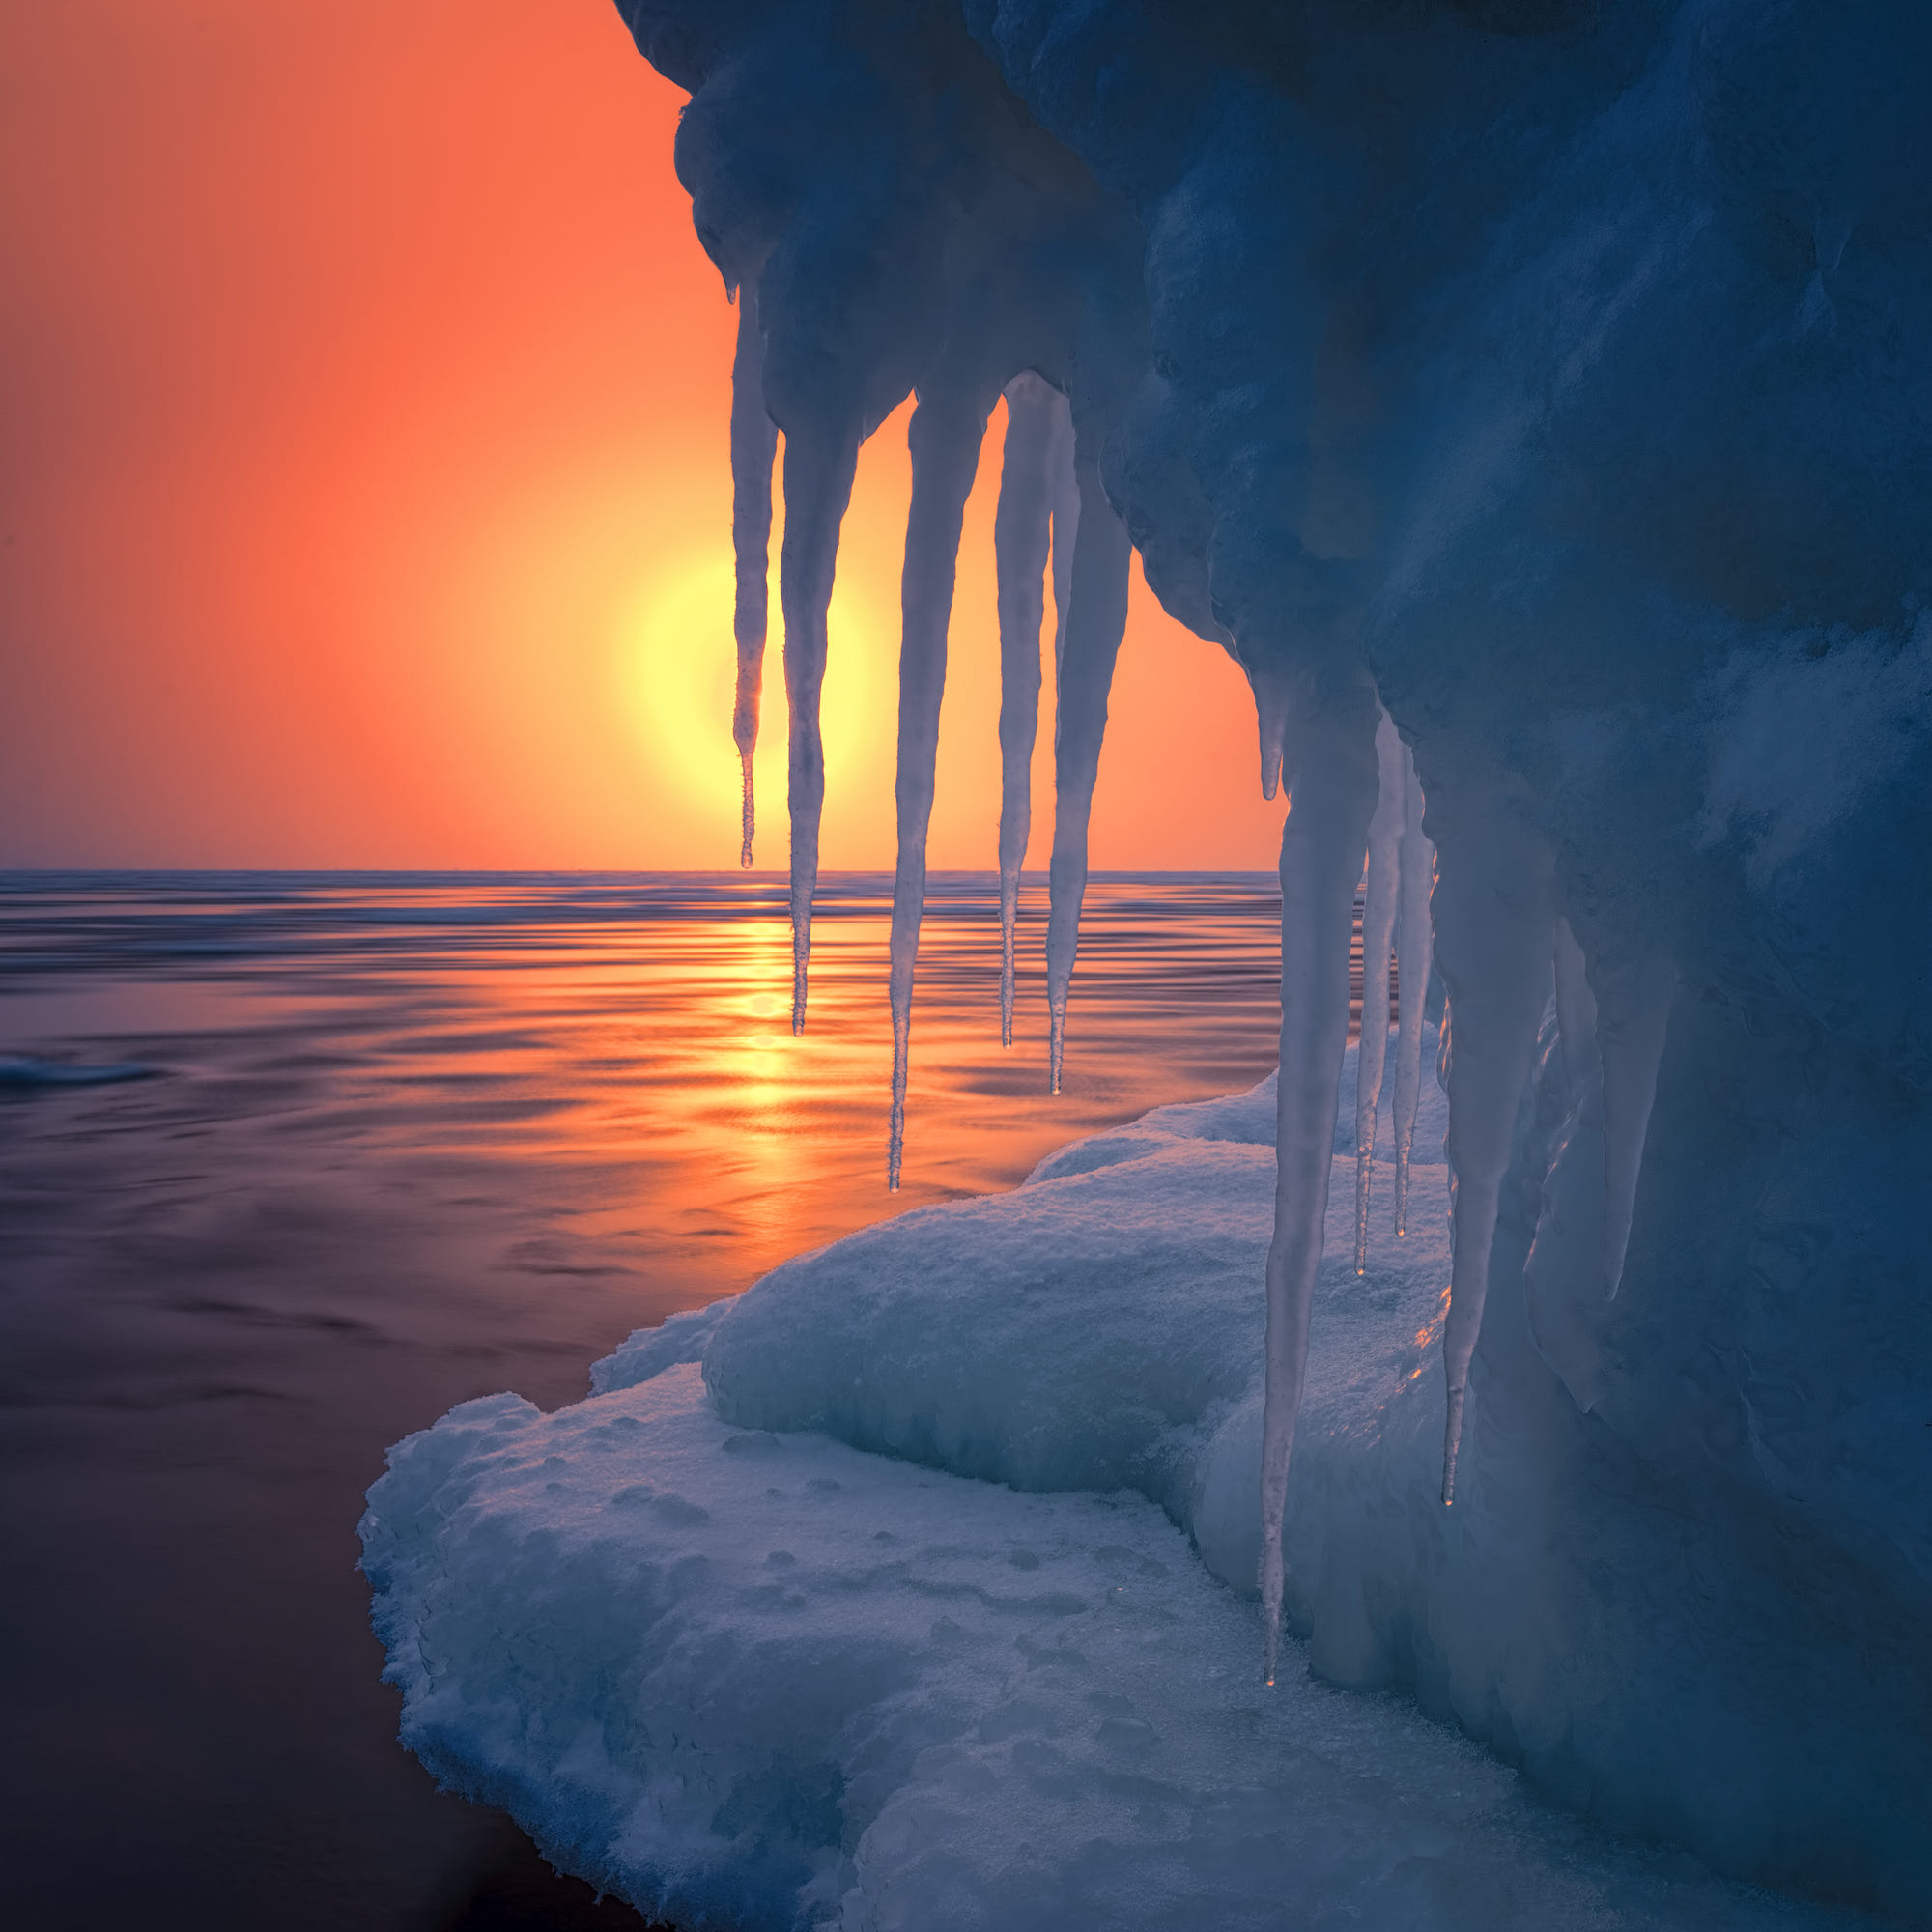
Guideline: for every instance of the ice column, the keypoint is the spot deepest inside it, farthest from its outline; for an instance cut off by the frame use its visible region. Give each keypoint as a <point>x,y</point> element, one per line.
<point>1331,769</point>
<point>1378,910</point>
<point>944,437</point>
<point>754,444</point>
<point>1271,690</point>
<point>1494,929</point>
<point>1634,993</point>
<point>1035,521</point>
<point>820,459</point>
<point>1096,617</point>
<point>1412,950</point>
<point>1064,485</point>
<point>1575,1011</point>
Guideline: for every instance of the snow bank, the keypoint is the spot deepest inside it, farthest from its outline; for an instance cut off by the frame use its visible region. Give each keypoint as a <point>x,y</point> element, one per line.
<point>892,1618</point>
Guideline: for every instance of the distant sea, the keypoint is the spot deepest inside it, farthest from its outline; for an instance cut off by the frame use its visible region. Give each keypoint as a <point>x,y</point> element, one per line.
<point>290,1164</point>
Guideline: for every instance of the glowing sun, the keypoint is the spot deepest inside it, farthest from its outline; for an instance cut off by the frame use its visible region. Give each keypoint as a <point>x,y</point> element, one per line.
<point>677,665</point>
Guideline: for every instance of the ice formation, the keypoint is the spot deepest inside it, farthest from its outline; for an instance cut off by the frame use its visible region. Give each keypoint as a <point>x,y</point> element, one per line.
<point>753,445</point>
<point>1416,873</point>
<point>1551,378</point>
<point>946,432</point>
<point>1095,621</point>
<point>1379,916</point>
<point>1039,513</point>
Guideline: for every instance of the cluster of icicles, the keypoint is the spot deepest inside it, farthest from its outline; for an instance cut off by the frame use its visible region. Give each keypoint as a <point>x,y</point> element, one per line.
<point>1053,515</point>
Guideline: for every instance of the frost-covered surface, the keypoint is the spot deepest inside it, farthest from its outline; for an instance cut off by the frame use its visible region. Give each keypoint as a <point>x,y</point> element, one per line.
<point>930,1604</point>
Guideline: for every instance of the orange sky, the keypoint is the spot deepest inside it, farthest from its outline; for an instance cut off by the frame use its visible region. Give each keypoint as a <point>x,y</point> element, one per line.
<point>364,484</point>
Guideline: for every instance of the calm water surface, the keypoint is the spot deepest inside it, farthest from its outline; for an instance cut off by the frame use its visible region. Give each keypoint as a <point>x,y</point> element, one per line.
<point>290,1165</point>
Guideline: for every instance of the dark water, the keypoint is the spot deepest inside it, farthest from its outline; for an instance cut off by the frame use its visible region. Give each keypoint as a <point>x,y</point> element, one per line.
<point>290,1165</point>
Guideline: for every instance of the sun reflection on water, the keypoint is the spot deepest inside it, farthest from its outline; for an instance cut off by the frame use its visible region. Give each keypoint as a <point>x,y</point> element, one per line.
<point>590,1080</point>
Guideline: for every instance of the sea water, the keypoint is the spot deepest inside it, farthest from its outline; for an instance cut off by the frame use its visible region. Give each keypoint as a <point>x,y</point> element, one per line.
<point>290,1164</point>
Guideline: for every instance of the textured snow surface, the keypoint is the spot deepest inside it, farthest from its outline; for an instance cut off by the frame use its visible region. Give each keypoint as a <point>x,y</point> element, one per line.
<point>889,1614</point>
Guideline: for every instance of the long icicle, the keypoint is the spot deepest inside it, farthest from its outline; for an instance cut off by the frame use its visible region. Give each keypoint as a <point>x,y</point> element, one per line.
<point>1096,617</point>
<point>1414,949</point>
<point>1633,996</point>
<point>944,437</point>
<point>1379,909</point>
<point>1023,540</point>
<point>1575,1011</point>
<point>818,468</point>
<point>754,444</point>
<point>1494,932</point>
<point>1063,487</point>
<point>1062,482</point>
<point>1270,688</point>
<point>1331,773</point>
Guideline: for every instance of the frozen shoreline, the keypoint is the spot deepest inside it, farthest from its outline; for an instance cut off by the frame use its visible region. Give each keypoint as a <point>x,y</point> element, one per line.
<point>774,1643</point>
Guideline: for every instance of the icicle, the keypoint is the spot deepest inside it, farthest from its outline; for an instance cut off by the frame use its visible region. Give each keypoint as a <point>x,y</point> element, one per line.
<point>1378,908</point>
<point>1027,530</point>
<point>1332,786</point>
<point>1575,1011</point>
<point>1063,485</point>
<point>1633,995</point>
<point>1412,953</point>
<point>818,467</point>
<point>1270,690</point>
<point>1436,1014</point>
<point>754,444</point>
<point>1096,617</point>
<point>1495,928</point>
<point>945,438</point>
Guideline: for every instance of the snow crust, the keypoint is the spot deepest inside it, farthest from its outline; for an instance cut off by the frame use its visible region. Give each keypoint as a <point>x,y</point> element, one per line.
<point>916,1587</point>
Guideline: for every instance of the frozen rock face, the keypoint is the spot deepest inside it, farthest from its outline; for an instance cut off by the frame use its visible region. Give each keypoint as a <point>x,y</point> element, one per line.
<point>1551,377</point>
